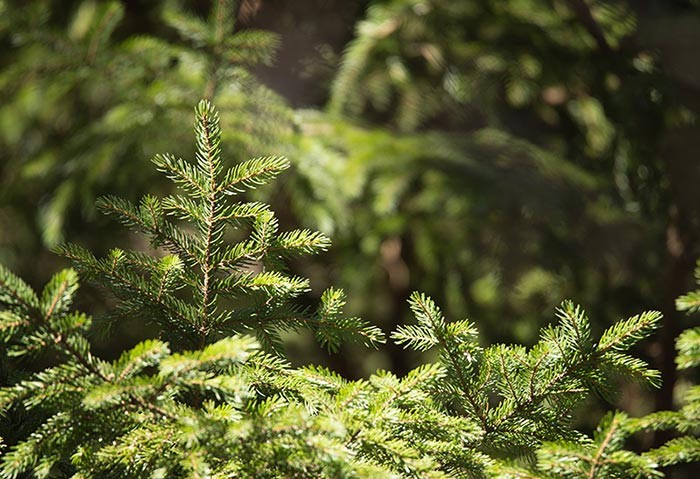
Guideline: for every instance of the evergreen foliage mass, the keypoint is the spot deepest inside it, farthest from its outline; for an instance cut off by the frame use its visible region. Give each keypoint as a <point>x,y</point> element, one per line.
<point>213,396</point>
<point>471,125</point>
<point>80,74</point>
<point>513,122</point>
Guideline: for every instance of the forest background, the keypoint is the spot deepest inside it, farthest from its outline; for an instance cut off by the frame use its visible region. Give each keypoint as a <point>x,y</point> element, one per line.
<point>499,155</point>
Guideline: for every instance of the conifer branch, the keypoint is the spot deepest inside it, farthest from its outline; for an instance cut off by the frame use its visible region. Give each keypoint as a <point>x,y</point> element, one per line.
<point>67,284</point>
<point>174,240</point>
<point>427,310</point>
<point>612,429</point>
<point>14,291</point>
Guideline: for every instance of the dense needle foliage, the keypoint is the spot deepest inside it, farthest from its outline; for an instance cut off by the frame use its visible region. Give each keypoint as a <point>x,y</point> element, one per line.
<point>213,396</point>
<point>496,156</point>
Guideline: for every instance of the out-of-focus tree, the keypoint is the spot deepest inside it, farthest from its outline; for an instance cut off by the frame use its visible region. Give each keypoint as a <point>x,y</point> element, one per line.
<point>505,154</point>
<point>96,87</point>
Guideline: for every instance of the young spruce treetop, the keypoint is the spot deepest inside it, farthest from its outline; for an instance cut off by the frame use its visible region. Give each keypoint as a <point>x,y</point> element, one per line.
<point>190,291</point>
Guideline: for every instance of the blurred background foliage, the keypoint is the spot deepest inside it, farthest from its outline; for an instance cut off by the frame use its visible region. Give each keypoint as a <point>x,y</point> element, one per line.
<point>499,155</point>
